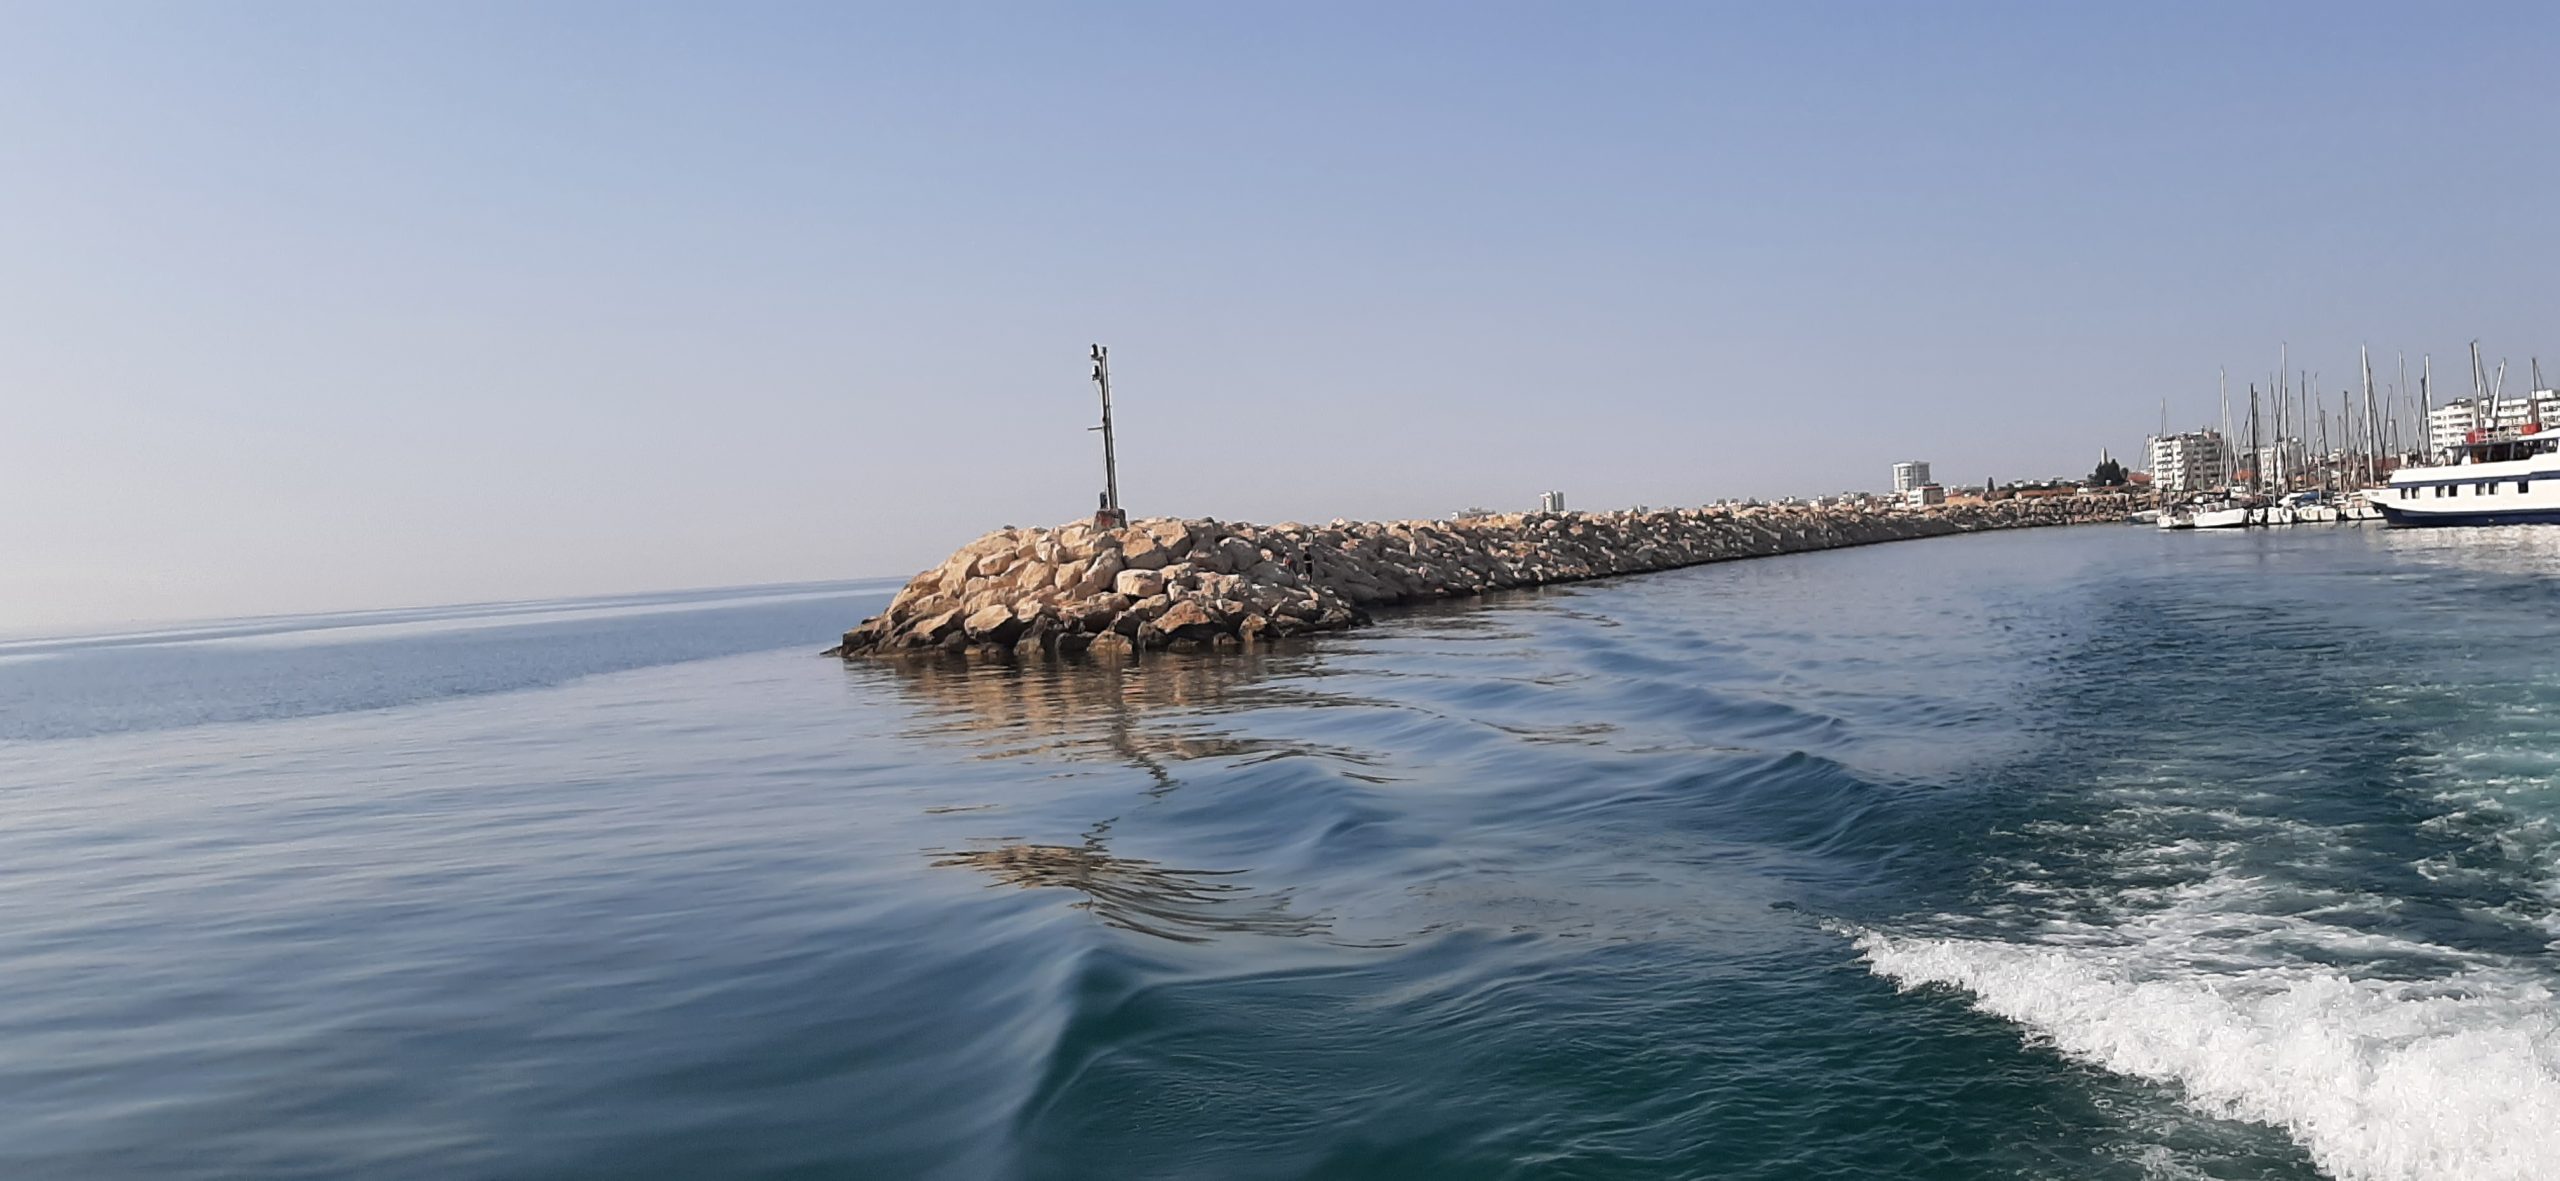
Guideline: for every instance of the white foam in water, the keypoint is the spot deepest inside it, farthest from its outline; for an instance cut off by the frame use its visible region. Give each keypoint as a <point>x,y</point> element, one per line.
<point>2456,1077</point>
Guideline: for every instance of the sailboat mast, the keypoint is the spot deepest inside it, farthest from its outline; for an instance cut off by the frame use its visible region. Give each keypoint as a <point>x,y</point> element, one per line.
<point>2479,392</point>
<point>2426,402</point>
<point>2324,435</point>
<point>2274,413</point>
<point>2372,429</point>
<point>2533,397</point>
<point>2311,410</point>
<point>2282,395</point>
<point>2399,392</point>
<point>2257,462</point>
<point>2222,442</point>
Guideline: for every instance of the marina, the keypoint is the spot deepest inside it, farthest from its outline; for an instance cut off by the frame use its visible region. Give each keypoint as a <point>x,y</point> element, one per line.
<point>2477,461</point>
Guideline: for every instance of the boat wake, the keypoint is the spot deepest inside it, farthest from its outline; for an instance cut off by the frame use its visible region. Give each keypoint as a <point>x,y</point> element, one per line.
<point>2396,1027</point>
<point>2440,1078</point>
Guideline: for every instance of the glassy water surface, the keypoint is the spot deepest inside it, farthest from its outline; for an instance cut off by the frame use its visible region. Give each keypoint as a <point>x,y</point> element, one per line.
<point>2066,853</point>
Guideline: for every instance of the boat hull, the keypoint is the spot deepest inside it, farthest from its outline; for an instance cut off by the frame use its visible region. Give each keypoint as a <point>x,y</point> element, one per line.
<point>2405,518</point>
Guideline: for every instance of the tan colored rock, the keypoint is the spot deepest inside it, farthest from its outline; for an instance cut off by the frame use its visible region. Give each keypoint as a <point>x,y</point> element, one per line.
<point>1102,576</point>
<point>933,628</point>
<point>1186,618</point>
<point>1144,552</point>
<point>994,624</point>
<point>1139,584</point>
<point>1098,613</point>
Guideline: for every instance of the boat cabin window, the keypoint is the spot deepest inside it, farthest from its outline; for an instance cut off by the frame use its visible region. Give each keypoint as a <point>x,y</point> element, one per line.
<point>2524,485</point>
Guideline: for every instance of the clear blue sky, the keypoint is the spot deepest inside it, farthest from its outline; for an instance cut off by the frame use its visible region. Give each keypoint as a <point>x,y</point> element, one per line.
<point>318,305</point>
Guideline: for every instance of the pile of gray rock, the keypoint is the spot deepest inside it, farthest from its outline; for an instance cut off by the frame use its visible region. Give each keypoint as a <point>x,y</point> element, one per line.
<point>1167,584</point>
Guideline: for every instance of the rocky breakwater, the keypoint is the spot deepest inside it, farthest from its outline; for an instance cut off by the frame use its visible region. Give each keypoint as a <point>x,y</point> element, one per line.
<point>1180,585</point>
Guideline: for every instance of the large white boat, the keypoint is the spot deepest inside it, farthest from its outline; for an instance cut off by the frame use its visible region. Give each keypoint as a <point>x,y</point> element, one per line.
<point>2496,478</point>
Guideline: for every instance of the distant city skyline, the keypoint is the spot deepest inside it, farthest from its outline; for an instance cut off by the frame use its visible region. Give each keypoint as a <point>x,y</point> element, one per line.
<point>320,308</point>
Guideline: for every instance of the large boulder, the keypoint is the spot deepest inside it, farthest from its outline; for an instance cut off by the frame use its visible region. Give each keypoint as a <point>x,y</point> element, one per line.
<point>994,624</point>
<point>1141,551</point>
<point>933,629</point>
<point>1187,619</point>
<point>1139,584</point>
<point>1101,576</point>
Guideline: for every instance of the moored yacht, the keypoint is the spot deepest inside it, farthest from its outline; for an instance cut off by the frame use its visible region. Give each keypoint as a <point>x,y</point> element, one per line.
<point>2229,514</point>
<point>2496,478</point>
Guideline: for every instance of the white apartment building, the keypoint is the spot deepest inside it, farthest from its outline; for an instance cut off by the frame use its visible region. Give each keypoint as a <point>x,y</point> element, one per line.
<point>1910,475</point>
<point>2449,424</point>
<point>2279,462</point>
<point>2196,461</point>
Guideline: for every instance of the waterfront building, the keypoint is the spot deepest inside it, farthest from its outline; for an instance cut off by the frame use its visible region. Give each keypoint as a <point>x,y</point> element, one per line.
<point>1926,494</point>
<point>2449,425</point>
<point>1551,502</point>
<point>2196,461</point>
<point>2279,462</point>
<point>1909,475</point>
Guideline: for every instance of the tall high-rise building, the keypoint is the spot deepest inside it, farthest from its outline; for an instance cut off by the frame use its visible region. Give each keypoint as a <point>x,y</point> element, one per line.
<point>1909,475</point>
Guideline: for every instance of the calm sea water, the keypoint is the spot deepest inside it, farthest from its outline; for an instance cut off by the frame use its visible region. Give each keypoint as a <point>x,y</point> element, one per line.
<point>2088,853</point>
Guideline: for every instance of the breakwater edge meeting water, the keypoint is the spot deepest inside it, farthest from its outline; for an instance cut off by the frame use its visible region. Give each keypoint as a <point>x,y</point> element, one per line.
<point>1105,589</point>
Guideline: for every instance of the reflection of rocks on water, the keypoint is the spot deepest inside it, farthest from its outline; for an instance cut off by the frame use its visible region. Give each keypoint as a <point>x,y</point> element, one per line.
<point>1189,905</point>
<point>1152,721</point>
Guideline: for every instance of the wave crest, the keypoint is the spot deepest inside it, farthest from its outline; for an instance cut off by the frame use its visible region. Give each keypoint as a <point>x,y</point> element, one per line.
<point>2449,1078</point>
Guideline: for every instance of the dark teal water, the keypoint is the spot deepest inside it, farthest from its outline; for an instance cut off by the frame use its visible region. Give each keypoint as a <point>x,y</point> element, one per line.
<point>2090,853</point>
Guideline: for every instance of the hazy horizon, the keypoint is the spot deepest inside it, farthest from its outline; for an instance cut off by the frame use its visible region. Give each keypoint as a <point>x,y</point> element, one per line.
<point>323,309</point>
